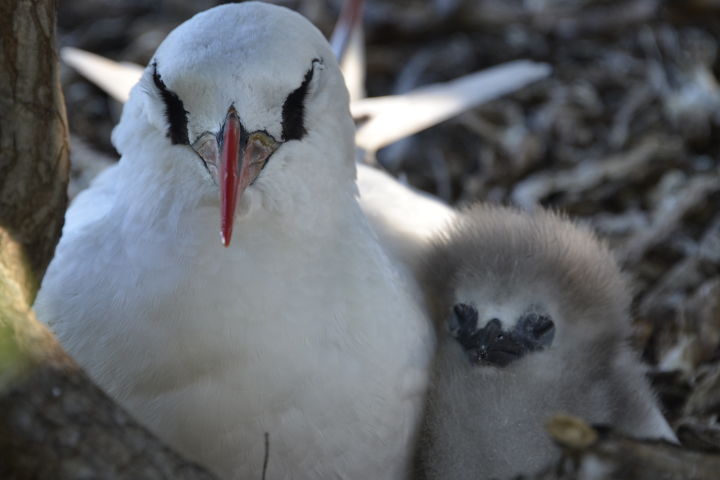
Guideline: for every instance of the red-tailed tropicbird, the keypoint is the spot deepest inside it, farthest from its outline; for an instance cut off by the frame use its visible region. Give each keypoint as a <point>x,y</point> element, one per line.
<point>301,328</point>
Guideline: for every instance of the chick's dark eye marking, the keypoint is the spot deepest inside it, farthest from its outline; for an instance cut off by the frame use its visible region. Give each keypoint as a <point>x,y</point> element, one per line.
<point>174,111</point>
<point>493,345</point>
<point>293,110</point>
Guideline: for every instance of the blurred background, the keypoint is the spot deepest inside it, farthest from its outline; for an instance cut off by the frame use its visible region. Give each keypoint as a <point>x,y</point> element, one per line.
<point>624,136</point>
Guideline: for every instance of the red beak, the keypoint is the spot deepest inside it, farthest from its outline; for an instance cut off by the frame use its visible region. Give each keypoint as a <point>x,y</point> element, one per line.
<point>242,158</point>
<point>229,175</point>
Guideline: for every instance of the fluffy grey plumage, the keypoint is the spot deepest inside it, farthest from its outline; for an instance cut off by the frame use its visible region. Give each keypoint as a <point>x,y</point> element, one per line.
<point>532,317</point>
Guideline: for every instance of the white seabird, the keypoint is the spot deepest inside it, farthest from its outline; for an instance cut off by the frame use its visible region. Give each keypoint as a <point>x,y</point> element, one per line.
<point>532,320</point>
<point>301,328</point>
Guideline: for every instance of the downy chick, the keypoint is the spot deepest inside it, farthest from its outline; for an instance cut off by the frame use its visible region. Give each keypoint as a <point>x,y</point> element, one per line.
<point>532,319</point>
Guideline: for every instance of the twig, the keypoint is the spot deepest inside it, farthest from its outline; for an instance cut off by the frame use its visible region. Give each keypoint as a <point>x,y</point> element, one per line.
<point>267,455</point>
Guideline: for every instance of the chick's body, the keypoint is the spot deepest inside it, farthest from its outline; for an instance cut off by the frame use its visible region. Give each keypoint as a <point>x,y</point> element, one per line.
<point>532,320</point>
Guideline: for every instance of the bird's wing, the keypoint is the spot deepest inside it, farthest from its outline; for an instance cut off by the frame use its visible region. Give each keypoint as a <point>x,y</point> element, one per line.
<point>394,117</point>
<point>115,78</point>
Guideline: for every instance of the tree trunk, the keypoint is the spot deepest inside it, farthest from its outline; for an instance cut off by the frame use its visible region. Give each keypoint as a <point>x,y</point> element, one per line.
<point>55,423</point>
<point>33,139</point>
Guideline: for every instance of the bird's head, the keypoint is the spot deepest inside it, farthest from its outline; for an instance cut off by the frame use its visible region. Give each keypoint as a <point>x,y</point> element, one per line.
<point>250,100</point>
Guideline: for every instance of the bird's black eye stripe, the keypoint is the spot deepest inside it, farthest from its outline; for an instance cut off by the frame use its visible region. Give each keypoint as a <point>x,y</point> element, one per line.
<point>293,111</point>
<point>174,111</point>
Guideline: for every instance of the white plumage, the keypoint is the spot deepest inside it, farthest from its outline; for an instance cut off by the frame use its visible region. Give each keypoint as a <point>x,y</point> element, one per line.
<point>303,328</point>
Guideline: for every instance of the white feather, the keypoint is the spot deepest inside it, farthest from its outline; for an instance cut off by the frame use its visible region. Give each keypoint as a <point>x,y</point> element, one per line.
<point>394,117</point>
<point>115,78</point>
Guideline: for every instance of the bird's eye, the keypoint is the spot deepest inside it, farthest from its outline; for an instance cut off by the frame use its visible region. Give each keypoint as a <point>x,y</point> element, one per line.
<point>500,337</point>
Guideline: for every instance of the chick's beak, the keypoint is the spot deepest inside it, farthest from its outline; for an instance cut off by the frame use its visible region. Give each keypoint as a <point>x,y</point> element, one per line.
<point>242,157</point>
